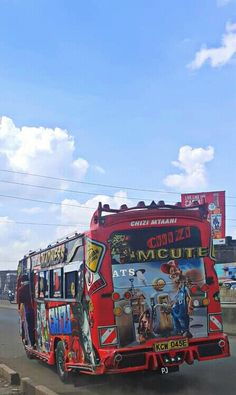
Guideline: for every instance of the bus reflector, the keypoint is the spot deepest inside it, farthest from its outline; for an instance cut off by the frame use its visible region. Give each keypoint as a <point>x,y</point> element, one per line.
<point>108,335</point>
<point>215,322</point>
<point>115,296</point>
<point>117,311</point>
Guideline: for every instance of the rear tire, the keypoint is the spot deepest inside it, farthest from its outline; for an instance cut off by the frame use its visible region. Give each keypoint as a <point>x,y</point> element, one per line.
<point>60,361</point>
<point>29,355</point>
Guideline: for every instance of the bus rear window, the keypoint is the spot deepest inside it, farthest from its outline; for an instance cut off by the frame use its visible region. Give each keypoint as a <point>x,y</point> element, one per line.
<point>151,244</point>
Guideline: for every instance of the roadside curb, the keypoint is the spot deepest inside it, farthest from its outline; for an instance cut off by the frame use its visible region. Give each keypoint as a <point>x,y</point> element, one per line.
<point>8,305</point>
<point>25,385</point>
<point>9,375</point>
<point>29,388</point>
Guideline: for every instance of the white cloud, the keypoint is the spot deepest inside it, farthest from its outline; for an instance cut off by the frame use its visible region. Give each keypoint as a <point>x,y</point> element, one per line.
<point>39,150</point>
<point>5,224</point>
<point>31,210</point>
<point>81,166</point>
<point>81,216</point>
<point>191,161</point>
<point>8,237</point>
<point>99,169</point>
<point>50,152</point>
<point>217,56</point>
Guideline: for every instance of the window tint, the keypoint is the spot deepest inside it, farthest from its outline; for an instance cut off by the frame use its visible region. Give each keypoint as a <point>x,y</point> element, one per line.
<point>46,284</point>
<point>71,284</point>
<point>36,285</point>
<point>43,284</point>
<point>57,284</point>
<point>79,256</point>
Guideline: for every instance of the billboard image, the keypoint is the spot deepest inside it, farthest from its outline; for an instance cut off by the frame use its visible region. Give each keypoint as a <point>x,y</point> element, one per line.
<point>216,211</point>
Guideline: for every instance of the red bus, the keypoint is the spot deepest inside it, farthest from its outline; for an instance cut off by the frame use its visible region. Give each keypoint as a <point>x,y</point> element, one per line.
<point>138,291</point>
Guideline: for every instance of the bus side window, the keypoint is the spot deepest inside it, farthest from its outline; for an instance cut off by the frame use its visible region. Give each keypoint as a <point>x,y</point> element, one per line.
<point>43,284</point>
<point>71,284</point>
<point>56,289</point>
<point>46,284</point>
<point>80,254</point>
<point>81,281</point>
<point>36,285</point>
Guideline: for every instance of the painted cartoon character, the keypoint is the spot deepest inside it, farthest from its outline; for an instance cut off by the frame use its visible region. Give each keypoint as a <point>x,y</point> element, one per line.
<point>162,320</point>
<point>145,327</point>
<point>140,277</point>
<point>182,305</point>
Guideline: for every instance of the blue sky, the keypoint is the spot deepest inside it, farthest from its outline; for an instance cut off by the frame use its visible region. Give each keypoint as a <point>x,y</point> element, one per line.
<point>112,92</point>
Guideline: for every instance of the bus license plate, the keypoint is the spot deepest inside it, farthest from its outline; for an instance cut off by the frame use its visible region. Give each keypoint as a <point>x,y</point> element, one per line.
<point>171,345</point>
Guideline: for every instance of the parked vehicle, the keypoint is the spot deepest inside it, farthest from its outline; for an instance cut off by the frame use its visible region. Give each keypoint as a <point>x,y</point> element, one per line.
<point>229,284</point>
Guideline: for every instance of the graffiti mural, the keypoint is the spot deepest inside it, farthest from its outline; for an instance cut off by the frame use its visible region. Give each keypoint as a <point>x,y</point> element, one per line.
<point>60,320</point>
<point>158,297</point>
<point>42,329</point>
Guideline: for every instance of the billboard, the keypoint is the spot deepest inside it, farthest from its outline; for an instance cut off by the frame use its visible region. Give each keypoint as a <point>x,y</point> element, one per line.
<point>216,211</point>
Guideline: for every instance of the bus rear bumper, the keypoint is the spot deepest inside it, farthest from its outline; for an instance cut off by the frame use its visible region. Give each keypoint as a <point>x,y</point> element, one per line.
<point>127,360</point>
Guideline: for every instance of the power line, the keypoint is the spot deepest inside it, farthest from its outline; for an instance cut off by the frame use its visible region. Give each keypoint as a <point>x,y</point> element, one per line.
<point>65,189</point>
<point>89,183</point>
<point>12,222</point>
<point>52,224</point>
<point>46,201</point>
<point>58,203</point>
<point>62,204</point>
<point>96,184</point>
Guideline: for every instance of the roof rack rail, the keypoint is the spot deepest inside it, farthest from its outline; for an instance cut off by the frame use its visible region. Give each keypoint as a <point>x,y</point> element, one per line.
<point>160,205</point>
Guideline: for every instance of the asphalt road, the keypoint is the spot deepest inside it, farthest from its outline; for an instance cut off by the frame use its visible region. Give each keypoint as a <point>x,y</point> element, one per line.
<point>206,378</point>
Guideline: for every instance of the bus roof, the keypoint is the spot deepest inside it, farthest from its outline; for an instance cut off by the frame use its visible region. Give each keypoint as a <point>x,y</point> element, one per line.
<point>196,210</point>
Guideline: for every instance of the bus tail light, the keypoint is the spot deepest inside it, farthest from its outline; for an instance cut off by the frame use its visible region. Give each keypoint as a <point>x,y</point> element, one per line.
<point>115,296</point>
<point>127,295</point>
<point>117,311</point>
<point>127,309</point>
<point>205,301</point>
<point>194,289</point>
<point>205,288</point>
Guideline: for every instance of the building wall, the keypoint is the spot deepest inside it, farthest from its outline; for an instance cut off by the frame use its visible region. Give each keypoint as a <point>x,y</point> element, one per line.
<point>226,253</point>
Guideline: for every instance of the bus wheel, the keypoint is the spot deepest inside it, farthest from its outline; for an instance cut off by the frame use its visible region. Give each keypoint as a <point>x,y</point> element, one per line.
<point>60,361</point>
